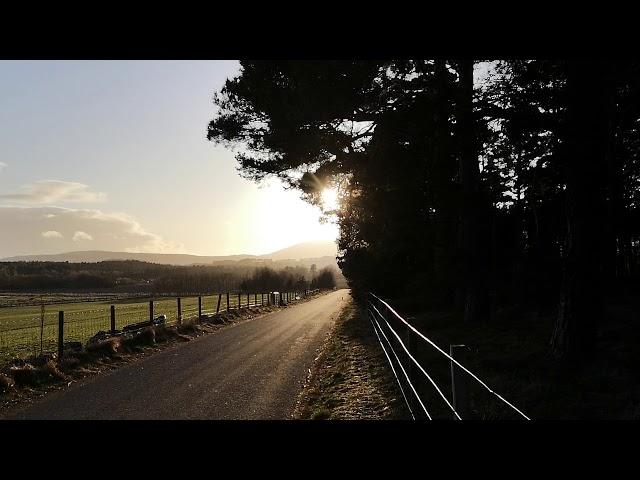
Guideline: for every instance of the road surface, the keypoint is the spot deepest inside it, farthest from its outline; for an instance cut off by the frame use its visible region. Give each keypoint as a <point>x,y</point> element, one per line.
<point>251,370</point>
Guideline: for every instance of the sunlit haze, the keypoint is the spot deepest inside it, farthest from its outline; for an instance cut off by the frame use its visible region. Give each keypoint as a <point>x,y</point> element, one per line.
<point>113,155</point>
<point>329,199</point>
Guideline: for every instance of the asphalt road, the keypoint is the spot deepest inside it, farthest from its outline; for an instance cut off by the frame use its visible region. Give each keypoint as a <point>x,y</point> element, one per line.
<point>251,370</point>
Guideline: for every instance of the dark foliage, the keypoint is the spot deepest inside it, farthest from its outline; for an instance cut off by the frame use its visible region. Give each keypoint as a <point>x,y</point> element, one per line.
<point>518,188</point>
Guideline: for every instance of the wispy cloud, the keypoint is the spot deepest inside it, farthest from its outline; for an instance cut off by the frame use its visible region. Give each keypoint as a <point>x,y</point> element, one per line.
<point>2,166</point>
<point>46,192</point>
<point>80,235</point>
<point>29,229</point>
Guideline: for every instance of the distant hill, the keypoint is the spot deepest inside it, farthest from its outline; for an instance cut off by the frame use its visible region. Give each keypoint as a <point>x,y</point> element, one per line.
<point>307,250</point>
<point>92,256</point>
<point>304,250</point>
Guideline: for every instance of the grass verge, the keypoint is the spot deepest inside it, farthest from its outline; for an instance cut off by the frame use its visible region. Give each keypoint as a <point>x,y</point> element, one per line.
<point>350,379</point>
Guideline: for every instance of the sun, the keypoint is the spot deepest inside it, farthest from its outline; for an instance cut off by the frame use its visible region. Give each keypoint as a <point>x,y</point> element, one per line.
<point>330,199</point>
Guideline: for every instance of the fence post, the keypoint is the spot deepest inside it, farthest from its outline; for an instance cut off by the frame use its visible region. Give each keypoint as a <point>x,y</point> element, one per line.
<point>60,334</point>
<point>227,302</point>
<point>239,301</point>
<point>248,301</point>
<point>113,319</point>
<point>199,307</point>
<point>151,311</point>
<point>262,299</point>
<point>41,327</point>
<point>218,307</point>
<point>459,381</point>
<point>255,299</point>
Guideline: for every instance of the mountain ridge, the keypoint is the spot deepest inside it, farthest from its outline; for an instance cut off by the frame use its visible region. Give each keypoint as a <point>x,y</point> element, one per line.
<point>300,251</point>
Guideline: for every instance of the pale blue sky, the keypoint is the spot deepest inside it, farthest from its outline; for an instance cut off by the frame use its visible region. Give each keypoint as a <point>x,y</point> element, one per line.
<point>120,148</point>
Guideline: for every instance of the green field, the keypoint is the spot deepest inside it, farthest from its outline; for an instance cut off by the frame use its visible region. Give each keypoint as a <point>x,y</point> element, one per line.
<point>20,327</point>
<point>12,299</point>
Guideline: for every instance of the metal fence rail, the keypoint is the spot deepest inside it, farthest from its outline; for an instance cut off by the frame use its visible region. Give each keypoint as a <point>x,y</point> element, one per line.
<point>381,314</point>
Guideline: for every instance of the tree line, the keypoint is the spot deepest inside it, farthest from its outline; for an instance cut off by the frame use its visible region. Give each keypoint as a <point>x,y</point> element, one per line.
<point>471,184</point>
<point>137,276</point>
<point>267,279</point>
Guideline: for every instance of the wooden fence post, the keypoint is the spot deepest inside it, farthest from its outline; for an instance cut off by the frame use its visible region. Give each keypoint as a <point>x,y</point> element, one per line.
<point>248,301</point>
<point>459,381</point>
<point>60,334</point>
<point>239,301</point>
<point>150,310</point>
<point>227,302</point>
<point>113,319</point>
<point>199,307</point>
<point>218,307</point>
<point>179,311</point>
<point>255,299</point>
<point>41,327</point>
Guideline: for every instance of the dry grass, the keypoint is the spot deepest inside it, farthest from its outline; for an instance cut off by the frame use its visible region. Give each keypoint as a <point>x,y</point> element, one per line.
<point>6,383</point>
<point>351,380</point>
<point>109,346</point>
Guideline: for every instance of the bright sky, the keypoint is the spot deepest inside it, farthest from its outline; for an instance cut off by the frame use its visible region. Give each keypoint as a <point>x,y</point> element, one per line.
<point>113,155</point>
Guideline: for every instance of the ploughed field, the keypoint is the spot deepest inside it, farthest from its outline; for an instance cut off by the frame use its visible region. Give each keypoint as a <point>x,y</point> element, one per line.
<point>21,327</point>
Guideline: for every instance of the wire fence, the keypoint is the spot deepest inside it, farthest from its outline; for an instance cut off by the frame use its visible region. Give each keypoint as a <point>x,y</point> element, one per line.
<point>32,330</point>
<point>403,344</point>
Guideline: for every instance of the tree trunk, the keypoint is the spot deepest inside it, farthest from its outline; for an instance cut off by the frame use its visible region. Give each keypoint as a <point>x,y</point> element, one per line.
<point>586,140</point>
<point>442,172</point>
<point>474,222</point>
